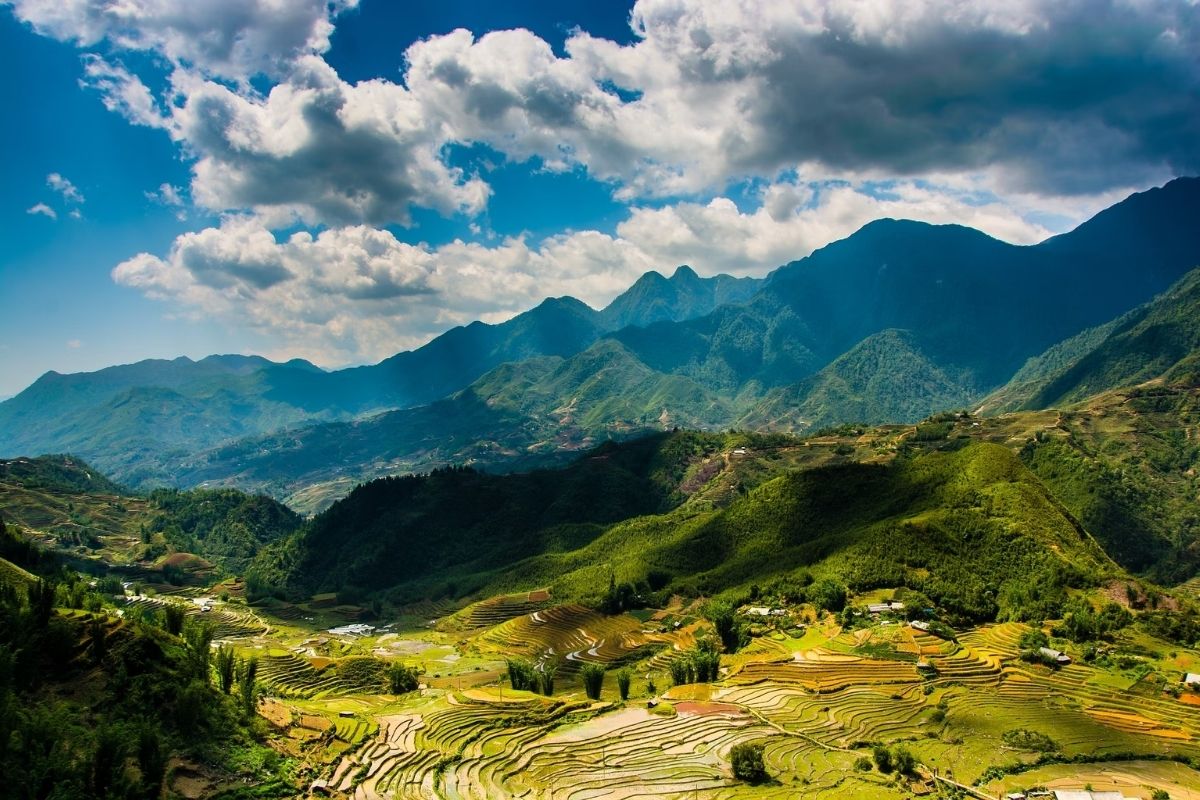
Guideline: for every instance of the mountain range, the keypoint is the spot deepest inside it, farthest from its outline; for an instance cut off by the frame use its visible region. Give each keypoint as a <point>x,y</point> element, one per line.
<point>897,321</point>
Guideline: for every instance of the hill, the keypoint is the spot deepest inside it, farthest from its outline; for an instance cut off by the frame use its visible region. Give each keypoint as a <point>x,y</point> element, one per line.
<point>688,513</point>
<point>70,509</point>
<point>1159,341</point>
<point>884,378</point>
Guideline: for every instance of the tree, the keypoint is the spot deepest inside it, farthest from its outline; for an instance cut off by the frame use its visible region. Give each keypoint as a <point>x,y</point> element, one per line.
<point>226,667</point>
<point>521,675</point>
<point>98,633</point>
<point>545,679</point>
<point>401,678</point>
<point>173,618</point>
<point>729,628</point>
<point>624,678</point>
<point>593,679</point>
<point>249,683</point>
<point>904,761</point>
<point>747,762</point>
<point>827,594</point>
<point>882,758</point>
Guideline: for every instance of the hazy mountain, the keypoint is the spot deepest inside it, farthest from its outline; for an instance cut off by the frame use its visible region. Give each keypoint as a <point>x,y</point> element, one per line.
<point>138,421</point>
<point>940,316</point>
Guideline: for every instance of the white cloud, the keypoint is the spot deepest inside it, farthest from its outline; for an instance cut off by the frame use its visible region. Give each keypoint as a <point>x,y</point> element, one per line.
<point>231,38</point>
<point>1046,98</point>
<point>43,209</point>
<point>319,149</point>
<point>64,187</point>
<point>74,344</point>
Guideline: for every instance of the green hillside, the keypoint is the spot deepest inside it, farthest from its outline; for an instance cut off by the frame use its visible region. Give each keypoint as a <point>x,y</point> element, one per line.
<point>973,529</point>
<point>1160,340</point>
<point>884,378</point>
<point>70,509</point>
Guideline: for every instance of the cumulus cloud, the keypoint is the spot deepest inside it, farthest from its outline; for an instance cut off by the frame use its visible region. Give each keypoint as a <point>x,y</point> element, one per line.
<point>42,209</point>
<point>318,148</point>
<point>358,294</point>
<point>1046,97</point>
<point>1068,97</point>
<point>231,38</point>
<point>65,188</point>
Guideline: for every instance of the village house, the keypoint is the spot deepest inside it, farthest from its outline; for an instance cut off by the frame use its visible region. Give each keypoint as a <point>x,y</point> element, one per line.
<point>1191,679</point>
<point>1057,655</point>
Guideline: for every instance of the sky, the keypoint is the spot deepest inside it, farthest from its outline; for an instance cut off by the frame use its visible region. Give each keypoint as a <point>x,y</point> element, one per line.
<point>339,181</point>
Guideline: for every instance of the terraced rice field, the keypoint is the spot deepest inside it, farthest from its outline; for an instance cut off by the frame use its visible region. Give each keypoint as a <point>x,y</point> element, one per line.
<point>487,613</point>
<point>817,712</point>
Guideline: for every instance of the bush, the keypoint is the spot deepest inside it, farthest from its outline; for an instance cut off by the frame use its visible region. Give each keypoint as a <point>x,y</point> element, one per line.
<point>862,764</point>
<point>747,762</point>
<point>1024,739</point>
<point>401,678</point>
<point>624,679</point>
<point>882,758</point>
<point>593,679</point>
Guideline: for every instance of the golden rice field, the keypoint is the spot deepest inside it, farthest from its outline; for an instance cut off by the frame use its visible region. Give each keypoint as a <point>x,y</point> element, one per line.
<point>816,705</point>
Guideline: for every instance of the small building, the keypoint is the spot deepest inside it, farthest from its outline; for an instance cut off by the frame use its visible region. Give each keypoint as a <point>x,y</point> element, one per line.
<point>896,606</point>
<point>763,611</point>
<point>1084,794</point>
<point>919,625</point>
<point>1191,679</point>
<point>1058,656</point>
<point>879,608</point>
<point>1015,796</point>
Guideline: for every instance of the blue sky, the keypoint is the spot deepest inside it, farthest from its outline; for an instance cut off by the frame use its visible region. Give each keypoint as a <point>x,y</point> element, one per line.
<point>340,181</point>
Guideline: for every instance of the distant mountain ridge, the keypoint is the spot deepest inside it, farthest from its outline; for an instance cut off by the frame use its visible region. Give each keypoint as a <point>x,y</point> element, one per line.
<point>891,324</point>
<point>137,420</point>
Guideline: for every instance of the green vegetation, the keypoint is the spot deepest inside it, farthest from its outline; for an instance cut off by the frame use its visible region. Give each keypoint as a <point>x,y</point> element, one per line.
<point>92,706</point>
<point>746,761</point>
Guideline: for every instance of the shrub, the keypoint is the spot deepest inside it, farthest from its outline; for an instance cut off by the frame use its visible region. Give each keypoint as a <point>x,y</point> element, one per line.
<point>521,674</point>
<point>862,764</point>
<point>624,678</point>
<point>882,758</point>
<point>747,762</point>
<point>593,679</point>
<point>401,678</point>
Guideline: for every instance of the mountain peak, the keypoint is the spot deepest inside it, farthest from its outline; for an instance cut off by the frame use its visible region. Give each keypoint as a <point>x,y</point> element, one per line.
<point>684,273</point>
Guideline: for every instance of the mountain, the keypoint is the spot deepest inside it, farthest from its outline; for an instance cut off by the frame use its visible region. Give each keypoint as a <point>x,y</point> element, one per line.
<point>137,421</point>
<point>973,529</point>
<point>811,348</point>
<point>685,295</point>
<point>884,378</point>
<point>1157,341</point>
<point>523,414</point>
<point>976,307</point>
